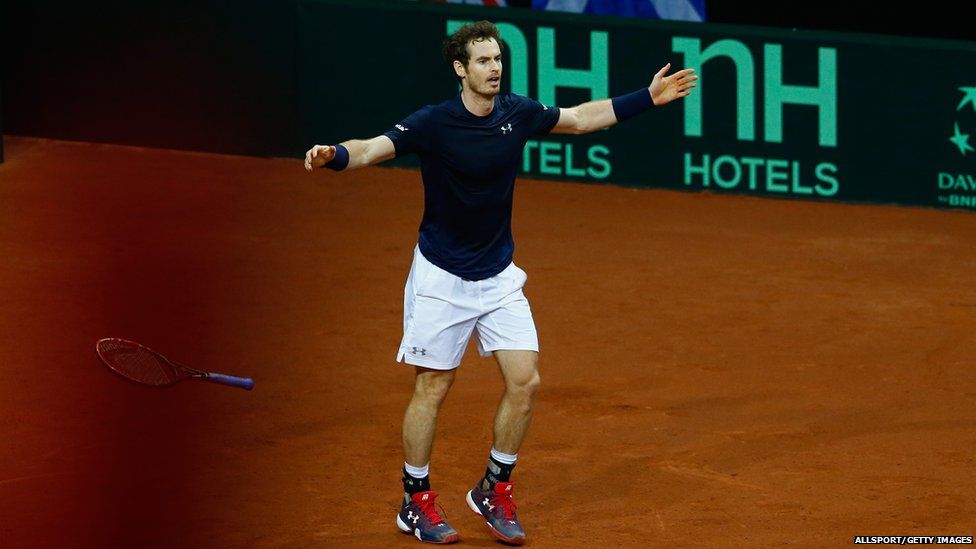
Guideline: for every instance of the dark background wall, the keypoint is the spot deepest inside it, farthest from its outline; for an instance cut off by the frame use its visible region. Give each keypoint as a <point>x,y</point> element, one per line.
<point>220,75</point>
<point>932,19</point>
<point>945,19</point>
<point>197,74</point>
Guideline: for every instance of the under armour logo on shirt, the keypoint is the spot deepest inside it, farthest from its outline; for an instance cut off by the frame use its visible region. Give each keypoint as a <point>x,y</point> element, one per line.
<point>506,128</point>
<point>401,128</point>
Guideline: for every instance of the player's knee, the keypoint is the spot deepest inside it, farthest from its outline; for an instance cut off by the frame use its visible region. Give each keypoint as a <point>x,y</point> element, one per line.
<point>526,386</point>
<point>434,385</point>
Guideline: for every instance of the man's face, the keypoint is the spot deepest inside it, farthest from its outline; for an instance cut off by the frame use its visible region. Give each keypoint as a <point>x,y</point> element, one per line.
<point>483,73</point>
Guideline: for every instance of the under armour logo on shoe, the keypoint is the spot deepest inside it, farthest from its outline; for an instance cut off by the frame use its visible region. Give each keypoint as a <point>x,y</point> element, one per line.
<point>425,497</point>
<point>508,488</point>
<point>418,351</point>
<point>490,506</point>
<point>506,128</point>
<point>413,517</point>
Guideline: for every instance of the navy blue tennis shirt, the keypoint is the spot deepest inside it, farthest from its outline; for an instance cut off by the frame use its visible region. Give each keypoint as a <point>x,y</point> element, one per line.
<point>468,165</point>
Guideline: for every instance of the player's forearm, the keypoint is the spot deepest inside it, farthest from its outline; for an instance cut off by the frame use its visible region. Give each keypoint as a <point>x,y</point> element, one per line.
<point>597,115</point>
<point>594,115</point>
<point>358,153</point>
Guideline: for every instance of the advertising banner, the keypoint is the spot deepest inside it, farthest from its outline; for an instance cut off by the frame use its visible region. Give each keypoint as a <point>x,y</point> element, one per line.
<point>777,113</point>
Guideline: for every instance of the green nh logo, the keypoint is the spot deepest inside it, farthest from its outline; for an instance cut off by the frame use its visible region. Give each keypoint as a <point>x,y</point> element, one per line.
<point>776,94</point>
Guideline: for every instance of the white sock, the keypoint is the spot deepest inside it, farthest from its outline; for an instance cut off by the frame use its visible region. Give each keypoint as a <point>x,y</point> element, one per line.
<point>501,457</point>
<point>416,472</point>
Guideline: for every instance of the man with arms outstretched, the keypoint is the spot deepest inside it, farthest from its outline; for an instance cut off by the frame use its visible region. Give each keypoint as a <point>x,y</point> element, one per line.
<point>462,278</point>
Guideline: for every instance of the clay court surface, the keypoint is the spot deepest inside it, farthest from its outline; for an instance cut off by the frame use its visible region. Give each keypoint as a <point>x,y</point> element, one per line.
<point>717,371</point>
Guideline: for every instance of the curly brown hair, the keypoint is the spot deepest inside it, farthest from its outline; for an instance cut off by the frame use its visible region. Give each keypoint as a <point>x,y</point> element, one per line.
<point>456,45</point>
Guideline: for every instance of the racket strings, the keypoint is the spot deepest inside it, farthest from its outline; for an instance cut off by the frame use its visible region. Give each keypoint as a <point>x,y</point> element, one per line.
<point>138,364</point>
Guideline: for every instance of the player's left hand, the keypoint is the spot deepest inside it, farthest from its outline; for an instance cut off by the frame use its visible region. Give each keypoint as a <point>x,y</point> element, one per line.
<point>319,156</point>
<point>665,89</point>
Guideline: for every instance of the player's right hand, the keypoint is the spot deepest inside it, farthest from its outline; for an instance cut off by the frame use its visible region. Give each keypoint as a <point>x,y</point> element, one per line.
<point>319,156</point>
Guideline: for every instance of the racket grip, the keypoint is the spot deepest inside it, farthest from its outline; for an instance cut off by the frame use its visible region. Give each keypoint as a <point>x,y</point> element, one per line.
<point>242,382</point>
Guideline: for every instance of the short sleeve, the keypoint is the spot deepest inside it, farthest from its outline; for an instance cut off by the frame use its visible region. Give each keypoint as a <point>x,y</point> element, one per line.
<point>412,135</point>
<point>542,118</point>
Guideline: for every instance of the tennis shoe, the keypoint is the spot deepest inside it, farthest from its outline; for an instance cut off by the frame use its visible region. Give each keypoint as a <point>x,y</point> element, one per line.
<point>420,518</point>
<point>498,509</point>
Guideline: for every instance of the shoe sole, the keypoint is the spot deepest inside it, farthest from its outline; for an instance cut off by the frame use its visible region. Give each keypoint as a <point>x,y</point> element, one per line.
<point>491,529</point>
<point>416,533</point>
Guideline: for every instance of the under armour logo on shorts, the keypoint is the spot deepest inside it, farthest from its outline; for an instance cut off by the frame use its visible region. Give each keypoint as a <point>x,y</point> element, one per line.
<point>418,351</point>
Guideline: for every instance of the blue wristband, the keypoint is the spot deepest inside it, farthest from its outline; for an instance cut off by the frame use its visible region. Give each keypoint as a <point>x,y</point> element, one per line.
<point>632,104</point>
<point>341,159</point>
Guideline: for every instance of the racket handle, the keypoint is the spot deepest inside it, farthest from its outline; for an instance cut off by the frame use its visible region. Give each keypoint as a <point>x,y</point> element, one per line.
<point>242,382</point>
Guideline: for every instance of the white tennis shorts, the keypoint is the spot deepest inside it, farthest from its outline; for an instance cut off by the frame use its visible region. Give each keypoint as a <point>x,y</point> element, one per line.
<point>441,311</point>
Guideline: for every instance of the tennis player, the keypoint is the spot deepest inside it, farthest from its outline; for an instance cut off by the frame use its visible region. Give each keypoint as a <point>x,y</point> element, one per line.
<point>462,279</point>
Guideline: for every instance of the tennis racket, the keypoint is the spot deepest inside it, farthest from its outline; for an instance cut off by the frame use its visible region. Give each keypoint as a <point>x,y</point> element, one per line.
<point>143,365</point>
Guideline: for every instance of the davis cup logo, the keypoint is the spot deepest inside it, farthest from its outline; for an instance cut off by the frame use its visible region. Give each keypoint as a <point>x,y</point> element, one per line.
<point>958,188</point>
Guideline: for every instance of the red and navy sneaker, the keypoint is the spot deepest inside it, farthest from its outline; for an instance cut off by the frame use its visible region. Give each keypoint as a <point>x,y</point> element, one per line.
<point>420,518</point>
<point>498,509</point>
